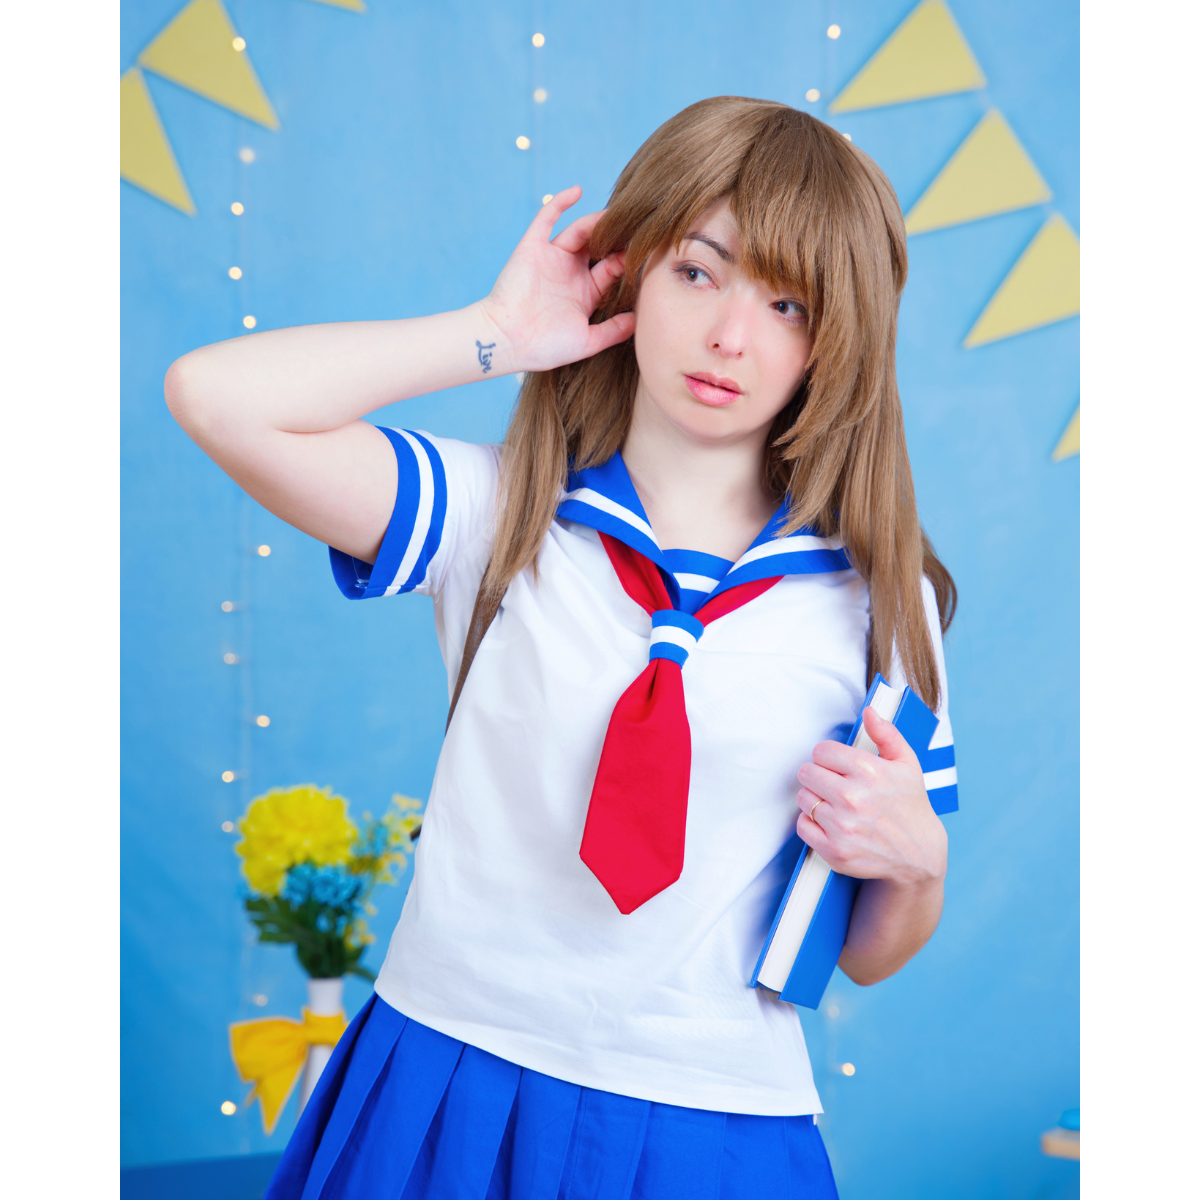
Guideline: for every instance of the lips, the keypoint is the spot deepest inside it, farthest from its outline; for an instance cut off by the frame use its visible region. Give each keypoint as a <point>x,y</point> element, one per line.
<point>712,390</point>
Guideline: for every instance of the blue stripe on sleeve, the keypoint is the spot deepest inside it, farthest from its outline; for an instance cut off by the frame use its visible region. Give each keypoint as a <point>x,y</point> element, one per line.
<point>437,519</point>
<point>944,799</point>
<point>937,760</point>
<point>414,531</point>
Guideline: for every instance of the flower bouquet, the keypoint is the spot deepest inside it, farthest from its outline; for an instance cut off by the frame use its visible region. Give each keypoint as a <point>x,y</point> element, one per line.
<point>311,869</point>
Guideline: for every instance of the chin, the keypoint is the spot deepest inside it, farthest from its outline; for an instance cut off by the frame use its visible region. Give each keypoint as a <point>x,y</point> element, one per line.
<point>709,423</point>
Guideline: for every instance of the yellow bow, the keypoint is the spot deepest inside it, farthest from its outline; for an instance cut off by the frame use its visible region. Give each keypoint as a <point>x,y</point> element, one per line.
<point>271,1053</point>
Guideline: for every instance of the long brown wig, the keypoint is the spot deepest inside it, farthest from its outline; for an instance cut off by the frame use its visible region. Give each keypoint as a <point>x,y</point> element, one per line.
<point>819,219</point>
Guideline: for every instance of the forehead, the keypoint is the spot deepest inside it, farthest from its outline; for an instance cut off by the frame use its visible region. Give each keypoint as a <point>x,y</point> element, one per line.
<point>719,223</point>
<point>761,258</point>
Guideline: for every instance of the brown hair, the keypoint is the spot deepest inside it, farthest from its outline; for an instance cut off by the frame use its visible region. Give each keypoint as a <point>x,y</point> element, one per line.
<point>816,216</point>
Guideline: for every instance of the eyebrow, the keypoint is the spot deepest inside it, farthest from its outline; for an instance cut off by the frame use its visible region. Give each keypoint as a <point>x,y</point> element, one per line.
<point>722,252</point>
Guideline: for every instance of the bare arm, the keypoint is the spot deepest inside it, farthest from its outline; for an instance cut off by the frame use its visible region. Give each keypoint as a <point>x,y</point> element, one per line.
<point>873,820</point>
<point>890,923</point>
<point>280,412</point>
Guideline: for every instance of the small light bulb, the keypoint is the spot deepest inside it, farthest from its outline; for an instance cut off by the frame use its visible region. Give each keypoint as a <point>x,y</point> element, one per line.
<point>237,208</point>
<point>522,142</point>
<point>812,95</point>
<point>834,31</point>
<point>847,1068</point>
<point>235,272</point>
<point>227,606</point>
<point>231,659</point>
<point>263,551</point>
<point>260,1000</point>
<point>246,154</point>
<point>539,95</point>
<point>227,826</point>
<point>249,322</point>
<point>239,44</point>
<point>227,777</point>
<point>262,721</point>
<point>539,39</point>
<point>228,1107</point>
<point>547,198</point>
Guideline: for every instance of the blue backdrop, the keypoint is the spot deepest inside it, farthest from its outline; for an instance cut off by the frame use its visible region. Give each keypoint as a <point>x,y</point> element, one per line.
<point>394,187</point>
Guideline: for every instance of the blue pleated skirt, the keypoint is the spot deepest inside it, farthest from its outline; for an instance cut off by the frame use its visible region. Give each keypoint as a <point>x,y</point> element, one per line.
<point>402,1112</point>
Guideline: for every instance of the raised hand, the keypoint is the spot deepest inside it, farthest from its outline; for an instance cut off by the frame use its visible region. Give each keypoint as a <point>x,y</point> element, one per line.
<point>870,817</point>
<point>543,298</point>
<point>279,411</point>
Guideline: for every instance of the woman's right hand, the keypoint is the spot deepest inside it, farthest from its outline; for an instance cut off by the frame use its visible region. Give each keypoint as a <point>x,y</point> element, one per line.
<point>543,298</point>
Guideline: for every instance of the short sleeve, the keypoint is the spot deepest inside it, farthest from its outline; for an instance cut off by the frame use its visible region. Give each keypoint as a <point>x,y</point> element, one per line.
<point>937,762</point>
<point>445,497</point>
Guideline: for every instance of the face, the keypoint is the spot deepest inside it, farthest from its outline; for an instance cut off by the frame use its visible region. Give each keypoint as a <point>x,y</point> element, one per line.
<point>720,353</point>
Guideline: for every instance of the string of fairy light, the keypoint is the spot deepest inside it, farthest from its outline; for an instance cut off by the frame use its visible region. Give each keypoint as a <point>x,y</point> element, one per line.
<point>240,656</point>
<point>238,644</point>
<point>238,650</point>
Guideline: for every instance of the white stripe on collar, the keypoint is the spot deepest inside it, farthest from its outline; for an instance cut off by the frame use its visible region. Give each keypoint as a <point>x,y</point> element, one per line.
<point>695,583</point>
<point>598,500</point>
<point>797,543</point>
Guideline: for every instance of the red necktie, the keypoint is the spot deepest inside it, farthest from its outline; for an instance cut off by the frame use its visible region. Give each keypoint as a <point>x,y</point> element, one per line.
<point>634,835</point>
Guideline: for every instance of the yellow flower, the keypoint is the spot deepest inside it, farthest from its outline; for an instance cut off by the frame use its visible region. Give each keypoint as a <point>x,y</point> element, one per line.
<point>291,825</point>
<point>401,820</point>
<point>358,934</point>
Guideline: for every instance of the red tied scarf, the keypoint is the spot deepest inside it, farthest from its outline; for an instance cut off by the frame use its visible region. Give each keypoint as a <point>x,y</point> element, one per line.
<point>634,836</point>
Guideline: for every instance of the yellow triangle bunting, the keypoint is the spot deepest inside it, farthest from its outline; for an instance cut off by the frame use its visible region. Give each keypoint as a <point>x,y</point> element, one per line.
<point>147,160</point>
<point>352,5</point>
<point>197,51</point>
<point>1068,444</point>
<point>925,56</point>
<point>1043,287</point>
<point>989,173</point>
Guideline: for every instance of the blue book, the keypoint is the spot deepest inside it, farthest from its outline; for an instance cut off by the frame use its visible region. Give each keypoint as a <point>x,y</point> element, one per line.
<point>809,930</point>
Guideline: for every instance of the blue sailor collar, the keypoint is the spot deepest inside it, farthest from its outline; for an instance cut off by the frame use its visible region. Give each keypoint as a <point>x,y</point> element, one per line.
<point>604,499</point>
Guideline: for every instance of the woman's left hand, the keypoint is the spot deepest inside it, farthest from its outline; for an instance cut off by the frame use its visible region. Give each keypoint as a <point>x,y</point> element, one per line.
<point>872,816</point>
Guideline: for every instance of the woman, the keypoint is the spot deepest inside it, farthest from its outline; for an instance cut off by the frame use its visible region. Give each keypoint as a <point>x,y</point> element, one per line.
<point>658,601</point>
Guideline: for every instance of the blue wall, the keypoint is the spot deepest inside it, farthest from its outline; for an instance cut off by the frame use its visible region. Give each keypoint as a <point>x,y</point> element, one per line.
<point>394,188</point>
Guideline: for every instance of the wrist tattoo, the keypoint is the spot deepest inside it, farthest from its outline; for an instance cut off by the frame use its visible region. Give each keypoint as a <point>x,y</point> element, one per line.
<point>485,356</point>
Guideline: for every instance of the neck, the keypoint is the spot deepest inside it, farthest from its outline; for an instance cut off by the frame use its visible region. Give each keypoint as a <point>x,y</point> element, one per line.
<point>698,495</point>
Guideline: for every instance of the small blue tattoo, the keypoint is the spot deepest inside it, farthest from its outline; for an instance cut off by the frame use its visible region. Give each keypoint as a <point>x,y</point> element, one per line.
<point>485,356</point>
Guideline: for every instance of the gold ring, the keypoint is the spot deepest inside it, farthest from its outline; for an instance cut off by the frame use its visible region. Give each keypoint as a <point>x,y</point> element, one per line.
<point>812,810</point>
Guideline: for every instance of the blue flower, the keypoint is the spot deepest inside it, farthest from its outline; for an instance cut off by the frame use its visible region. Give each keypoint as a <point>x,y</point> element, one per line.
<point>373,841</point>
<point>331,887</point>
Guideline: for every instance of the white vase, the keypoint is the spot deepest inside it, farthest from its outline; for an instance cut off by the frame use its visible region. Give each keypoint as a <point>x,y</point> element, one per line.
<point>324,1000</point>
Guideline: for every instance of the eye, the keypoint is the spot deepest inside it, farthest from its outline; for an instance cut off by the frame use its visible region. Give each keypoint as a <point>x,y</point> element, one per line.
<point>693,273</point>
<point>792,309</point>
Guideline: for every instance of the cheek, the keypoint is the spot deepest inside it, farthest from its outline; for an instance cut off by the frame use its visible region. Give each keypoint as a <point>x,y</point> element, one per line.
<point>783,355</point>
<point>658,335</point>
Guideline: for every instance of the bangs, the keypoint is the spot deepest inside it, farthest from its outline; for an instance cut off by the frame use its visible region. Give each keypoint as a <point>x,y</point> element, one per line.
<point>790,202</point>
<point>795,188</point>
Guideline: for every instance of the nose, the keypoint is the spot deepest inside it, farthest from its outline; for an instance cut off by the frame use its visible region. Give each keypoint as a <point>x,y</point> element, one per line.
<point>729,332</point>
